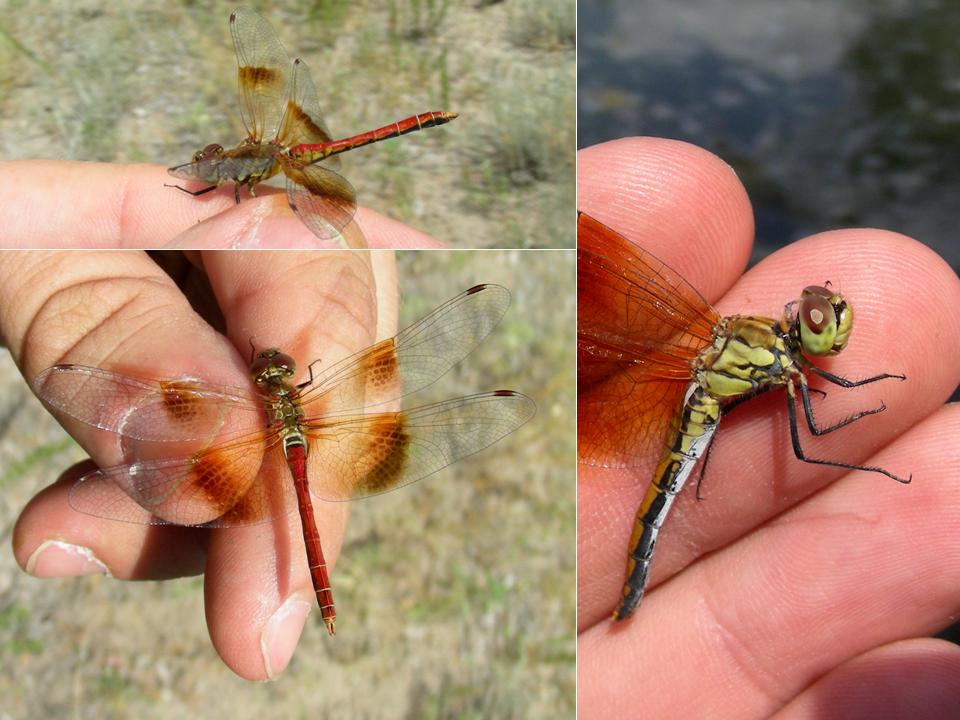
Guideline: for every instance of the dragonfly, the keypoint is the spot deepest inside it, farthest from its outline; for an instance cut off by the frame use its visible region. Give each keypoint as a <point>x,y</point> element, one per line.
<point>286,133</point>
<point>198,454</point>
<point>657,368</point>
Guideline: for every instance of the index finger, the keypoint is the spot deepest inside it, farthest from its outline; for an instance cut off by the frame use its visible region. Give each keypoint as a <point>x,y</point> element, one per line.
<point>65,204</point>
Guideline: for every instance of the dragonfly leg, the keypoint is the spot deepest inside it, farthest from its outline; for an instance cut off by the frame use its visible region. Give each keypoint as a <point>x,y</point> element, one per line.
<point>192,192</point>
<point>309,380</point>
<point>798,450</point>
<point>812,423</point>
<point>703,470</point>
<point>843,382</point>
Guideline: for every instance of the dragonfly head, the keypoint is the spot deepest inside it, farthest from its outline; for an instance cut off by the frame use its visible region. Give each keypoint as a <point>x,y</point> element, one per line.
<point>203,166</point>
<point>271,367</point>
<point>824,321</point>
<point>210,151</point>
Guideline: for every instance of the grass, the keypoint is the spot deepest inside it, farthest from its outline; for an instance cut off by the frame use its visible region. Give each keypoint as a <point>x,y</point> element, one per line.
<point>543,25</point>
<point>416,19</point>
<point>14,621</point>
<point>35,457</point>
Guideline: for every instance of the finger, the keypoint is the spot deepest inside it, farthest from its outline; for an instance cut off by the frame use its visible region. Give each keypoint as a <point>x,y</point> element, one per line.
<point>51,539</point>
<point>753,474</point>
<point>310,305</point>
<point>385,232</point>
<point>106,309</point>
<point>836,576</point>
<point>100,205</point>
<point>678,201</point>
<point>130,206</point>
<point>909,680</point>
<point>266,222</point>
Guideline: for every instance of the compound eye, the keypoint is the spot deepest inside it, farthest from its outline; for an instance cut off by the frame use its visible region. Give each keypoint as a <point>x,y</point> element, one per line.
<point>818,321</point>
<point>817,312</point>
<point>284,363</point>
<point>209,151</point>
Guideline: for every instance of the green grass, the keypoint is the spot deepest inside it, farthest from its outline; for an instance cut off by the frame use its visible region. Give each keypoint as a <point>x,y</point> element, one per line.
<point>543,25</point>
<point>14,620</point>
<point>34,458</point>
<point>416,19</point>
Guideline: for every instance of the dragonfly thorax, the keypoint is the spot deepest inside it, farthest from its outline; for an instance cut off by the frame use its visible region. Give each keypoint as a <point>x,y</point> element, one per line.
<point>271,371</point>
<point>247,164</point>
<point>748,354</point>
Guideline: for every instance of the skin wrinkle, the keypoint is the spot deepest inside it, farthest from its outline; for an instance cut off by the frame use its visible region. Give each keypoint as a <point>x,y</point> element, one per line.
<point>110,321</point>
<point>90,330</point>
<point>8,311</point>
<point>163,315</point>
<point>28,334</point>
<point>122,213</point>
<point>737,652</point>
<point>330,301</point>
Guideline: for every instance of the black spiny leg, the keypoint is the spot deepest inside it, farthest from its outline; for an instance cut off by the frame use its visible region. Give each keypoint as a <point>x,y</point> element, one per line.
<point>309,380</point>
<point>798,451</point>
<point>739,401</point>
<point>843,382</point>
<point>193,192</point>
<point>812,424</point>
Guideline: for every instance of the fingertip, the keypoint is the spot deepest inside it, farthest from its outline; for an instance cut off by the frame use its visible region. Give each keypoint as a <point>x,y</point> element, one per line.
<point>280,635</point>
<point>676,200</point>
<point>386,233</point>
<point>56,558</point>
<point>51,539</point>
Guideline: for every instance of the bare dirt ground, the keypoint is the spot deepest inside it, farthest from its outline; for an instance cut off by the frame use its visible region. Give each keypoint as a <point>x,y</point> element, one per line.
<point>455,596</point>
<point>153,82</point>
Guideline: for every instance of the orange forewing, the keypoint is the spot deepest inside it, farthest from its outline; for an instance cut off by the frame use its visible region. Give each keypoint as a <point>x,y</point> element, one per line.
<point>639,327</point>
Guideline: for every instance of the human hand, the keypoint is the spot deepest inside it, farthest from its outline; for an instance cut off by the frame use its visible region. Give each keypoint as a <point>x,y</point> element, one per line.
<point>59,204</point>
<point>119,309</point>
<point>791,587</point>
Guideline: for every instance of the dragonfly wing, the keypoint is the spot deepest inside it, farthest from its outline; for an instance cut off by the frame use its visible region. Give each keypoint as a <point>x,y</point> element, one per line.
<point>303,121</point>
<point>223,486</point>
<point>639,327</point>
<point>370,454</point>
<point>149,410</point>
<point>263,75</point>
<point>411,360</point>
<point>633,306</point>
<point>323,199</point>
<point>625,421</point>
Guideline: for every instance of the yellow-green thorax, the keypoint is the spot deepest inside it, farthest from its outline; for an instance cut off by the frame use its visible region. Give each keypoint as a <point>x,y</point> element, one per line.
<point>747,356</point>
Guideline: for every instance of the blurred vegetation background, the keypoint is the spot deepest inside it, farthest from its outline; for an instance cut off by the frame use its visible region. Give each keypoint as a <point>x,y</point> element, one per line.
<point>455,596</point>
<point>137,81</point>
<point>834,113</point>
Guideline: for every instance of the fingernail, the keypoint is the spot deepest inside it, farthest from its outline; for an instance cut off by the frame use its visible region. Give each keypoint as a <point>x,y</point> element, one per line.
<point>280,636</point>
<point>55,558</point>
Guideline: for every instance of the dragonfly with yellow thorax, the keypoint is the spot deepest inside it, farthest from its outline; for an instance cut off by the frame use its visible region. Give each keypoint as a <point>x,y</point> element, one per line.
<point>658,367</point>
